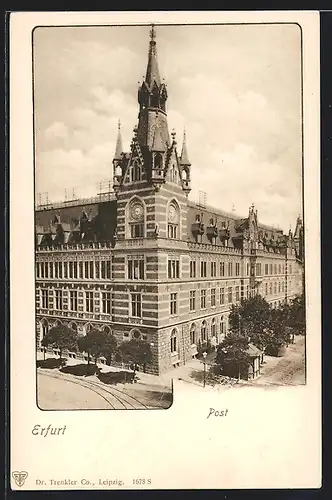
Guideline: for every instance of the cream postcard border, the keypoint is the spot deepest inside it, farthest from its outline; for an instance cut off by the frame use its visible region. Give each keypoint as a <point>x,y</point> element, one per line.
<point>179,447</point>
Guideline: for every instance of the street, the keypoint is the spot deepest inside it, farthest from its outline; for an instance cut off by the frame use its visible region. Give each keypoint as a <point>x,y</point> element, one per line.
<point>286,370</point>
<point>58,390</point>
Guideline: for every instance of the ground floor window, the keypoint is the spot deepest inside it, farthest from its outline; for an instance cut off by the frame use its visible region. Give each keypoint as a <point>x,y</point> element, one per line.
<point>213,327</point>
<point>173,341</point>
<point>203,331</point>
<point>193,334</point>
<point>44,329</point>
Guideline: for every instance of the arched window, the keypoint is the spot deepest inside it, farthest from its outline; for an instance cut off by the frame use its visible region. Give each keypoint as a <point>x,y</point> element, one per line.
<point>44,327</point>
<point>204,331</point>
<point>136,219</point>
<point>193,334</point>
<point>173,218</point>
<point>173,341</point>
<point>88,328</point>
<point>73,326</point>
<point>135,172</point>
<point>213,327</point>
<point>118,171</point>
<point>158,161</point>
<point>222,327</point>
<point>107,330</point>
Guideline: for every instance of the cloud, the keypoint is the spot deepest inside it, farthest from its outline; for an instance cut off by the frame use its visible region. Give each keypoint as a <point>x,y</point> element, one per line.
<point>74,169</point>
<point>235,90</point>
<point>230,181</point>
<point>56,131</point>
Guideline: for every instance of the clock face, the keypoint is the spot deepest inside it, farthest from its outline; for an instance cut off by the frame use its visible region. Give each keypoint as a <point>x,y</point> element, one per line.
<point>172,214</point>
<point>137,211</point>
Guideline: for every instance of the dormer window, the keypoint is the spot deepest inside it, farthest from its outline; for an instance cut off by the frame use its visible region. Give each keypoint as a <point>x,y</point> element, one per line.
<point>118,171</point>
<point>136,172</point>
<point>173,174</point>
<point>158,161</point>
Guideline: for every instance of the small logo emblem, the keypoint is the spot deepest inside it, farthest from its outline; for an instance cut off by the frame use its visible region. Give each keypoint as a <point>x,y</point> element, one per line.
<point>20,477</point>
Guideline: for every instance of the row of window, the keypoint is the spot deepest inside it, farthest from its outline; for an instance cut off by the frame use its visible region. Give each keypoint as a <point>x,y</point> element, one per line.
<point>199,334</point>
<point>223,295</point>
<point>73,269</point>
<point>226,295</point>
<point>136,269</point>
<point>273,269</point>
<point>230,270</point>
<point>58,300</point>
<point>274,288</point>
<point>203,269</point>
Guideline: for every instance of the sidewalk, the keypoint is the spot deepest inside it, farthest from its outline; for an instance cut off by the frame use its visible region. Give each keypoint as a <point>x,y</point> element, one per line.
<point>182,372</point>
<point>143,378</point>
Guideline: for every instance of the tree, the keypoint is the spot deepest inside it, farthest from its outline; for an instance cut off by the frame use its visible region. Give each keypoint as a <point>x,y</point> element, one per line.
<point>232,353</point>
<point>204,347</point>
<point>98,343</point>
<point>137,352</point>
<point>252,319</point>
<point>296,315</point>
<point>61,337</point>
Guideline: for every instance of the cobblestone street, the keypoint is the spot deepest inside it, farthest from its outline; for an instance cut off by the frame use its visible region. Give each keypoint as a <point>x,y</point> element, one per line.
<point>286,370</point>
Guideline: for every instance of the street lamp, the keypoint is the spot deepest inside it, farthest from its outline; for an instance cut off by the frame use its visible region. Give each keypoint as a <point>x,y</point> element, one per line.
<point>204,357</point>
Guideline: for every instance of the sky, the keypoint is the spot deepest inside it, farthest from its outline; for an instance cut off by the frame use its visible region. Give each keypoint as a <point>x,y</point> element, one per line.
<point>236,89</point>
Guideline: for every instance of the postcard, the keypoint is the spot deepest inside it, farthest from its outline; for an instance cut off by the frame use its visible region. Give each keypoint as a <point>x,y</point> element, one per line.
<point>165,325</point>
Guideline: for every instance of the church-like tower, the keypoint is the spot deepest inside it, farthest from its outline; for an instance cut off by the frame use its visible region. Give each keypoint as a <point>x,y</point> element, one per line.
<point>153,158</point>
<point>152,97</point>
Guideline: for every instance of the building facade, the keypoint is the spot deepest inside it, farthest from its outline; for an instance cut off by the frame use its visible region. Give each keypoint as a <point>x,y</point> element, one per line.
<point>145,262</point>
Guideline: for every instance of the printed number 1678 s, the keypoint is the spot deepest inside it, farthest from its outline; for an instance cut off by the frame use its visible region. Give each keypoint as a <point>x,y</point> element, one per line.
<point>141,481</point>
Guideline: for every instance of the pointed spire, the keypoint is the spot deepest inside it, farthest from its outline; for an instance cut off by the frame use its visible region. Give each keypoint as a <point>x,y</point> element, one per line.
<point>184,160</point>
<point>118,147</point>
<point>158,143</point>
<point>152,70</point>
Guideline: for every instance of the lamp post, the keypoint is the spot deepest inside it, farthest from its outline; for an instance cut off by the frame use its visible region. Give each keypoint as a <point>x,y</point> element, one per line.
<point>204,357</point>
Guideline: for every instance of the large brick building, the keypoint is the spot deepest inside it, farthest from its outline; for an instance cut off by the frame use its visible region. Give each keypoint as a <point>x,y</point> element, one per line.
<point>143,261</point>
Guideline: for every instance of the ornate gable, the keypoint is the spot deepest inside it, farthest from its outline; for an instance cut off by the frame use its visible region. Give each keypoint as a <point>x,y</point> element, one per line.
<point>172,167</point>
<point>135,170</point>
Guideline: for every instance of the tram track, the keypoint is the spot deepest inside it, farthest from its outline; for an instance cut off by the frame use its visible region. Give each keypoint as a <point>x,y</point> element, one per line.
<point>118,401</point>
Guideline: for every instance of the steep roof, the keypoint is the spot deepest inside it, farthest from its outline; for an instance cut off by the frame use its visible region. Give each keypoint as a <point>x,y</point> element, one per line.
<point>184,160</point>
<point>152,70</point>
<point>118,147</point>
